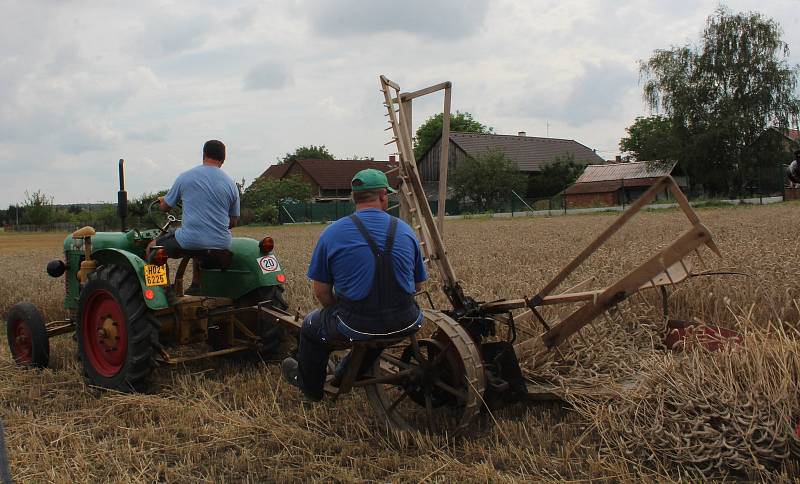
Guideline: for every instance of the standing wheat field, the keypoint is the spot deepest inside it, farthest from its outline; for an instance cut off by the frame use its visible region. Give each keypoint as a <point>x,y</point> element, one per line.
<point>693,413</point>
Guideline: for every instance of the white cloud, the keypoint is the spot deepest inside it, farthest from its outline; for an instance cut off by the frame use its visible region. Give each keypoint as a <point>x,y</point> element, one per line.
<point>430,18</point>
<point>84,84</point>
<point>173,34</point>
<point>268,74</point>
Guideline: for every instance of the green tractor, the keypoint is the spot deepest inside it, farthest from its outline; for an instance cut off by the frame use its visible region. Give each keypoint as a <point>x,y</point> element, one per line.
<point>129,315</point>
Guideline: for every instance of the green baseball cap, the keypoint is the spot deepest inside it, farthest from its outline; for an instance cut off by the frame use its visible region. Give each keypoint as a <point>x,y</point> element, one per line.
<point>370,179</point>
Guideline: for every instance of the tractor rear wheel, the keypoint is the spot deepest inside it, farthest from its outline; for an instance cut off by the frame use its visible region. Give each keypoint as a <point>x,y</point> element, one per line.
<point>27,336</point>
<point>117,333</point>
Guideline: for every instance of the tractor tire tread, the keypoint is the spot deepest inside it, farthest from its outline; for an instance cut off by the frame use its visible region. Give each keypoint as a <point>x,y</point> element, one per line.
<point>143,329</point>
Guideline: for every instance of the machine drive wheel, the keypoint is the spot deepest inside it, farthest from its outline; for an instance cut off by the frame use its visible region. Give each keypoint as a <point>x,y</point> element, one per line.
<point>27,336</point>
<point>117,334</point>
<point>433,384</point>
<point>276,340</point>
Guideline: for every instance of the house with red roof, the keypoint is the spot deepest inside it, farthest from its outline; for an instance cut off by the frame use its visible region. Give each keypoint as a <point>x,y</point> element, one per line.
<point>330,179</point>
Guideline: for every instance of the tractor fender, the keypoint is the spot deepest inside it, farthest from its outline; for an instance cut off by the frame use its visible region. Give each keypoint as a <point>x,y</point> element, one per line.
<point>136,263</point>
<point>250,269</point>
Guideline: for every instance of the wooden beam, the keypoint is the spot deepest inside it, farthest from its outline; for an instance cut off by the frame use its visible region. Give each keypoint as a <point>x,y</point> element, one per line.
<point>431,234</point>
<point>677,272</point>
<point>646,198</point>
<point>405,212</point>
<point>407,96</point>
<point>671,256</point>
<point>390,83</point>
<point>444,160</point>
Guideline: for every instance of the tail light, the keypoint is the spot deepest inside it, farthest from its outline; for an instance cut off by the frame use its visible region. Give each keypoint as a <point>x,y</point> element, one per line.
<point>160,257</point>
<point>266,245</point>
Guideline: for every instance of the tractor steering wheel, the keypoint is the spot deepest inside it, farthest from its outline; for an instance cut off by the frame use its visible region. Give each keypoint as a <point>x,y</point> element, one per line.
<point>169,220</point>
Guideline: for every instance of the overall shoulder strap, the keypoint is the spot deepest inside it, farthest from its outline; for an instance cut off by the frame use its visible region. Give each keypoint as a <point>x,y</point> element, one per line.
<point>365,233</point>
<point>390,235</point>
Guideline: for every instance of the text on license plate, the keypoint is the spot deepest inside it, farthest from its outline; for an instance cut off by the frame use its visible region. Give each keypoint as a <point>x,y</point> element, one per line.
<point>155,275</point>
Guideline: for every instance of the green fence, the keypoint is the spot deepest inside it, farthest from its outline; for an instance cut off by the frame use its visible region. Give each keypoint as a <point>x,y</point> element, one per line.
<point>330,211</point>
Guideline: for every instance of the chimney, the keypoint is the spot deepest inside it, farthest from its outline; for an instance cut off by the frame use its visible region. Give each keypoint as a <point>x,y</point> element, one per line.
<point>618,159</point>
<point>391,158</point>
<point>521,133</point>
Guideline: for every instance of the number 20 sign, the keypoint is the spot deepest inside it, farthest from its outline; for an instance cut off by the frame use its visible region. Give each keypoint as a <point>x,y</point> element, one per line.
<point>268,264</point>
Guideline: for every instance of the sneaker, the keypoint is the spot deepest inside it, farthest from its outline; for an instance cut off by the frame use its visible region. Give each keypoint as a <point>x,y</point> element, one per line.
<point>290,371</point>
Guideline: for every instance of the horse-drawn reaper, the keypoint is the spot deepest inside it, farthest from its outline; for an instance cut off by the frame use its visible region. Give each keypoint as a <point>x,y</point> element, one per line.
<point>468,356</point>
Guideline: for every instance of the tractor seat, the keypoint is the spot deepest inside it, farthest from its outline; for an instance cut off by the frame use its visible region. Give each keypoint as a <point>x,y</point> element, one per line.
<point>211,258</point>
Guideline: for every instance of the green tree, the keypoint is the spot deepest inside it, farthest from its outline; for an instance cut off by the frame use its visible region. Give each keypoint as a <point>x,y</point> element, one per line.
<point>651,138</point>
<point>431,129</point>
<point>310,152</point>
<point>260,201</point>
<point>487,180</point>
<point>138,210</point>
<point>38,208</point>
<point>723,94</point>
<point>555,176</point>
<point>14,212</point>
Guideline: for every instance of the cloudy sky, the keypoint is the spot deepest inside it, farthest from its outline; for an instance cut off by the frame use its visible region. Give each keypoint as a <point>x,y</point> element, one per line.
<point>83,83</point>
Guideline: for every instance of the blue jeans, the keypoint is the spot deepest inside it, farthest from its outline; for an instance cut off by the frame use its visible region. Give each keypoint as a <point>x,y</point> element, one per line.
<point>318,335</point>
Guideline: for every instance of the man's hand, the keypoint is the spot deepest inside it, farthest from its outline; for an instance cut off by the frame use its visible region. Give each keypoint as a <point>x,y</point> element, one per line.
<point>163,205</point>
<point>324,293</point>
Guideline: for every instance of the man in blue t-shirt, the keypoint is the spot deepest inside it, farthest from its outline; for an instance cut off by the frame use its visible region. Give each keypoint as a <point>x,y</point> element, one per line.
<point>210,201</point>
<point>365,270</point>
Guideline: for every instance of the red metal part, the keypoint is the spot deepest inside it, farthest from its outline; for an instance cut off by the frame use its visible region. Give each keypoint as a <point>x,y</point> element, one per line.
<point>681,334</point>
<point>104,333</point>
<point>23,342</point>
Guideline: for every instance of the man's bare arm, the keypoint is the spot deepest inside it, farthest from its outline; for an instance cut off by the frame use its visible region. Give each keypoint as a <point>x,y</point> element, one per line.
<point>163,205</point>
<point>418,286</point>
<point>234,221</point>
<point>324,293</point>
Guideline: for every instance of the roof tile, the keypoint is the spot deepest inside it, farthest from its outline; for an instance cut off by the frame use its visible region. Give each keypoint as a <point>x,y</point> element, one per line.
<point>625,171</point>
<point>337,174</point>
<point>530,153</point>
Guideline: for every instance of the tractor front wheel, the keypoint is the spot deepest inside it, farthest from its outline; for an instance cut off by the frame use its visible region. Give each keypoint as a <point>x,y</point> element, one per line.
<point>117,333</point>
<point>27,336</point>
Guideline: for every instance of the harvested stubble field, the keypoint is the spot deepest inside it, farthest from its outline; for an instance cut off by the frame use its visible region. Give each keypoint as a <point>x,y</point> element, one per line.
<point>727,413</point>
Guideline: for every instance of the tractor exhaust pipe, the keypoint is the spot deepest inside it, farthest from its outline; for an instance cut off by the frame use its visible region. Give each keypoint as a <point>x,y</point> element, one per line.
<point>122,197</point>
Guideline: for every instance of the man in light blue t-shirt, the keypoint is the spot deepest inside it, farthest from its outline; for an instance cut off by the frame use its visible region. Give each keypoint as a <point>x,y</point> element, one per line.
<point>210,201</point>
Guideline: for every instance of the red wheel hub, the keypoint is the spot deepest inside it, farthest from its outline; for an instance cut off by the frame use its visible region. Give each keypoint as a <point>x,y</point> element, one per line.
<point>22,346</point>
<point>104,333</point>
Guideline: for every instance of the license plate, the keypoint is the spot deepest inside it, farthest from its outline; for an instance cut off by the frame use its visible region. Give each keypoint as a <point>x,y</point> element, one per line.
<point>155,275</point>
